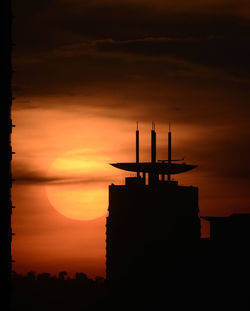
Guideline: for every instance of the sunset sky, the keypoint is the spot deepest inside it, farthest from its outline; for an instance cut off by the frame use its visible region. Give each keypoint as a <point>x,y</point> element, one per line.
<point>86,71</point>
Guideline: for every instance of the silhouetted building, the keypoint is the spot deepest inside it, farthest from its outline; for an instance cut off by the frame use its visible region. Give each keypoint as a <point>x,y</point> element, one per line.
<point>224,260</point>
<point>152,226</point>
<point>229,240</point>
<point>235,227</point>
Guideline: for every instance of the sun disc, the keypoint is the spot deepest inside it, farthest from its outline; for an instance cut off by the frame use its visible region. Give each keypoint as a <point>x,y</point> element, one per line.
<point>79,190</point>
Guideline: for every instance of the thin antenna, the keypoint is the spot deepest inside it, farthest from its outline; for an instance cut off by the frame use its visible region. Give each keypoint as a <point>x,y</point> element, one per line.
<point>153,144</point>
<point>137,148</point>
<point>169,149</point>
<point>137,126</point>
<point>137,144</point>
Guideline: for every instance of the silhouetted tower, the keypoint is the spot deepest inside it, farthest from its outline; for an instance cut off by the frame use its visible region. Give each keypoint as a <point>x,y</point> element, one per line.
<point>150,226</point>
<point>6,151</point>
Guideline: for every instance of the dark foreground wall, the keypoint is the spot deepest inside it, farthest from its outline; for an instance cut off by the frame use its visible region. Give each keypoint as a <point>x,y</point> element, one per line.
<point>6,127</point>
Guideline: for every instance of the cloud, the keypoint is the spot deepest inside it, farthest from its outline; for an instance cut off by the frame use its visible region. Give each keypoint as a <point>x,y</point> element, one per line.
<point>228,52</point>
<point>186,62</point>
<point>131,53</point>
<point>24,174</point>
<point>213,27</point>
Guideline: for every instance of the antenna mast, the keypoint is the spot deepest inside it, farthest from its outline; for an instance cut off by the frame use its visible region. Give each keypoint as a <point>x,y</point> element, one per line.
<point>169,148</point>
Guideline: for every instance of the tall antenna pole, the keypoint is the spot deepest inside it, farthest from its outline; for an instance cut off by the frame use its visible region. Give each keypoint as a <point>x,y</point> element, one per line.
<point>153,176</point>
<point>169,149</point>
<point>137,147</point>
<point>153,144</point>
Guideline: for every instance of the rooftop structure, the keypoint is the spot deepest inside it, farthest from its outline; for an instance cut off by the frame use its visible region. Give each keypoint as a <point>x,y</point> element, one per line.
<point>155,169</point>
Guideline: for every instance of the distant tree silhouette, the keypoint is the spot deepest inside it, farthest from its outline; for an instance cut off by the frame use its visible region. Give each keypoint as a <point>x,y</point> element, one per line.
<point>43,276</point>
<point>31,275</point>
<point>49,292</point>
<point>62,275</point>
<point>80,276</point>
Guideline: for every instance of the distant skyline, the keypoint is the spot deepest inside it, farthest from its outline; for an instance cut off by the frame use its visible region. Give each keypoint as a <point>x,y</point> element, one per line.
<point>86,71</point>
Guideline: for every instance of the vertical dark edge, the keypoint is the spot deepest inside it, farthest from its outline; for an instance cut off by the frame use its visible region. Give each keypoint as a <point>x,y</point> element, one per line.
<point>6,151</point>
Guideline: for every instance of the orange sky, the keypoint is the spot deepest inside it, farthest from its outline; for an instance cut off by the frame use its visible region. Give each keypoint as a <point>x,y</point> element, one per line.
<point>85,74</point>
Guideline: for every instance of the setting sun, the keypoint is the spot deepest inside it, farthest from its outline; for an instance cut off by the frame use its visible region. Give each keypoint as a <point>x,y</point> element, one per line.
<point>77,203</point>
<point>78,190</point>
